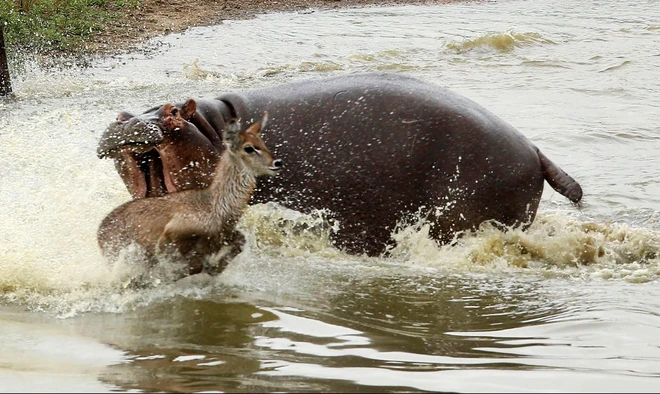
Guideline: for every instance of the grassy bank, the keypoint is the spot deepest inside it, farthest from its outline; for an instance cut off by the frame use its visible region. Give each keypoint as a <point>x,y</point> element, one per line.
<point>57,26</point>
<point>87,27</point>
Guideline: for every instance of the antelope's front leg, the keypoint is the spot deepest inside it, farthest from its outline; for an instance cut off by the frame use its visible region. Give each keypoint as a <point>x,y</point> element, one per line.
<point>230,249</point>
<point>182,246</point>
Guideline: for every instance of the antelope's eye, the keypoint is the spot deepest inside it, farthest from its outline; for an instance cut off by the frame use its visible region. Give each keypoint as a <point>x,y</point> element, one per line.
<point>249,149</point>
<point>175,111</point>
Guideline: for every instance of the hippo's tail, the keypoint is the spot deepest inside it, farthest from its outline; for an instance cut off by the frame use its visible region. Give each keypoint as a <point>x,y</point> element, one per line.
<point>559,180</point>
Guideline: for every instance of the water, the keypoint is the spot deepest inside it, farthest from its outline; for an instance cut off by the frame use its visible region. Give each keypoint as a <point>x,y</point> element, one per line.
<point>573,304</point>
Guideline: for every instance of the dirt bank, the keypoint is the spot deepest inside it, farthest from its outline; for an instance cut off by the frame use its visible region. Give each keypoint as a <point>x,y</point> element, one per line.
<point>160,17</point>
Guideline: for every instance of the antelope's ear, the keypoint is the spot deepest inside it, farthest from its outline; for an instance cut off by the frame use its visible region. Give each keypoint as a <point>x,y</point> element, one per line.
<point>232,129</point>
<point>259,126</point>
<point>188,109</point>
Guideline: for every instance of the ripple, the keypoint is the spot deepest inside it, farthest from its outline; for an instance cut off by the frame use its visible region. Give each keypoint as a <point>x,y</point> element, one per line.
<point>500,42</point>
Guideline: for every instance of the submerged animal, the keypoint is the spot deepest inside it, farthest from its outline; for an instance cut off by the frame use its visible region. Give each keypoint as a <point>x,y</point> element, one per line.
<point>375,150</point>
<point>194,228</point>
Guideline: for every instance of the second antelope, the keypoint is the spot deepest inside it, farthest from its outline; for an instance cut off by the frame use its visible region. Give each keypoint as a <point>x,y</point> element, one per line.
<point>196,228</point>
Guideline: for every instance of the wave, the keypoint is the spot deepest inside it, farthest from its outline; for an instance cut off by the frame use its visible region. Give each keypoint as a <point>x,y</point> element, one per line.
<point>554,245</point>
<point>286,251</point>
<point>296,69</point>
<point>544,63</point>
<point>616,66</point>
<point>501,42</point>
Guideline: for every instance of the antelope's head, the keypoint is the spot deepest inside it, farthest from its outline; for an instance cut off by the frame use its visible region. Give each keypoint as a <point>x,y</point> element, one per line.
<point>248,146</point>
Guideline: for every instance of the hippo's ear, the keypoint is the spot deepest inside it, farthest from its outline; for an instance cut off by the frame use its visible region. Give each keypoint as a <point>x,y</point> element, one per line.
<point>124,116</point>
<point>259,126</point>
<point>188,109</point>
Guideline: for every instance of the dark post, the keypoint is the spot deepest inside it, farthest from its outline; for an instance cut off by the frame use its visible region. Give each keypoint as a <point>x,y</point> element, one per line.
<point>5,82</point>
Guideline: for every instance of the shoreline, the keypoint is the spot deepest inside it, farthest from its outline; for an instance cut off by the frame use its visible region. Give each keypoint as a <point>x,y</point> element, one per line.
<point>159,17</point>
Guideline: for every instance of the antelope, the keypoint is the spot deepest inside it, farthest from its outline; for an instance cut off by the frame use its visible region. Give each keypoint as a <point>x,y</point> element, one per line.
<point>195,228</point>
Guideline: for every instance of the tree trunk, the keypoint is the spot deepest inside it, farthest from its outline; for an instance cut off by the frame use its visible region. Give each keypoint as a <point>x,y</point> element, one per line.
<point>5,82</point>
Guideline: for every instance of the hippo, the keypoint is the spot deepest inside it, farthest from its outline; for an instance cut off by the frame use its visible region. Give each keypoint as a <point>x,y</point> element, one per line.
<point>372,150</point>
<point>183,158</point>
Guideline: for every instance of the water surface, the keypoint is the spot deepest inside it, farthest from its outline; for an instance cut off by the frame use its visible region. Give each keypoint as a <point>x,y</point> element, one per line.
<point>573,304</point>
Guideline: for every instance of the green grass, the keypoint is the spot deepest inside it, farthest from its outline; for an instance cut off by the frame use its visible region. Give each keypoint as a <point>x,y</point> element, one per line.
<point>50,26</point>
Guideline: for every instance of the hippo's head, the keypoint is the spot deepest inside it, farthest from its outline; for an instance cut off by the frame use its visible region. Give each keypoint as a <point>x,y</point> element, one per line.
<point>153,151</point>
<point>143,132</point>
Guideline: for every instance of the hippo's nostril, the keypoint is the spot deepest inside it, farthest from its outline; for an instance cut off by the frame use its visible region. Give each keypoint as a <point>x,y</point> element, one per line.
<point>278,163</point>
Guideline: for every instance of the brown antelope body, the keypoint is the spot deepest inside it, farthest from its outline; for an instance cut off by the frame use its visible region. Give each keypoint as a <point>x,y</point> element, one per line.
<point>196,228</point>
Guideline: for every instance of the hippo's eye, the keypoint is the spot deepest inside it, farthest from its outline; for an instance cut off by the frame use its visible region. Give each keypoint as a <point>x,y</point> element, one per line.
<point>175,111</point>
<point>250,149</point>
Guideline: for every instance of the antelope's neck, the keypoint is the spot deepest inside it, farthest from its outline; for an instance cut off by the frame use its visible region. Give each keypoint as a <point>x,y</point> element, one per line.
<point>232,187</point>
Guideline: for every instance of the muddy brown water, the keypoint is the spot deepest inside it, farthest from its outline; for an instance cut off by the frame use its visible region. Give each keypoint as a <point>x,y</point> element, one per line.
<point>573,304</point>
